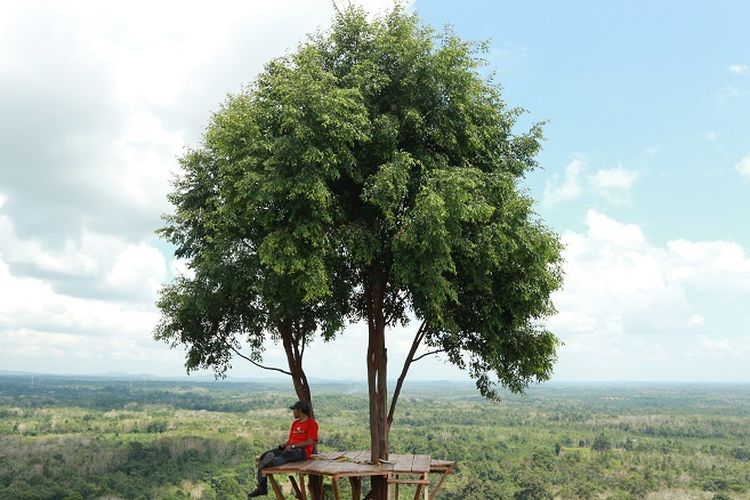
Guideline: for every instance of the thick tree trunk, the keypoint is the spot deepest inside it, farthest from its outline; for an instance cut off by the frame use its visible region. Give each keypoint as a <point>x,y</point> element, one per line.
<point>377,362</point>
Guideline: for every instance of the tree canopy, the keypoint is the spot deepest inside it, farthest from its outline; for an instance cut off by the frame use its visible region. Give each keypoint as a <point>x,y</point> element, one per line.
<point>372,174</point>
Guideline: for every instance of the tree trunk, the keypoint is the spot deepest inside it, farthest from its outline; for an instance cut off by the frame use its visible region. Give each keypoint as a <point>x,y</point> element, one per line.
<point>301,388</point>
<point>294,360</point>
<point>377,362</point>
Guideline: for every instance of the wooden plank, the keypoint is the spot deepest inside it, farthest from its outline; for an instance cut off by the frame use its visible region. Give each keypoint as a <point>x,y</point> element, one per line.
<point>421,464</point>
<point>402,463</point>
<point>326,467</point>
<point>358,456</point>
<point>342,467</point>
<point>287,468</point>
<point>440,463</point>
<point>367,470</point>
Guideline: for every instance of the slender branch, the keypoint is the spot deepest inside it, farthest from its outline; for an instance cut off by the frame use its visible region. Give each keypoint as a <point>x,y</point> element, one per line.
<point>238,353</point>
<point>427,354</point>
<point>421,332</point>
<point>336,7</point>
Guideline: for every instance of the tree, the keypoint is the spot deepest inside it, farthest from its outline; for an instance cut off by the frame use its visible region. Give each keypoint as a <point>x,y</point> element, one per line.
<point>373,174</point>
<point>601,443</point>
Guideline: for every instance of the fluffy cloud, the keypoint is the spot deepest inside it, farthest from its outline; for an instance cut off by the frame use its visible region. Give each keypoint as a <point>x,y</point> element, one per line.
<point>614,184</point>
<point>629,302</point>
<point>611,184</point>
<point>568,188</point>
<point>98,100</point>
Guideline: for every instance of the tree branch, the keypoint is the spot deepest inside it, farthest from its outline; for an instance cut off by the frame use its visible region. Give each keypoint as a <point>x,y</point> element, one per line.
<point>238,353</point>
<point>427,354</point>
<point>421,332</point>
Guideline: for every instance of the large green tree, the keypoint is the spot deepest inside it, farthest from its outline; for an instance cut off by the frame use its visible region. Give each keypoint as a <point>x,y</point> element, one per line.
<point>373,174</point>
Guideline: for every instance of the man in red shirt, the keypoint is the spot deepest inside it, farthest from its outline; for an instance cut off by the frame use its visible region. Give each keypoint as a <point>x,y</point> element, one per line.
<point>303,435</point>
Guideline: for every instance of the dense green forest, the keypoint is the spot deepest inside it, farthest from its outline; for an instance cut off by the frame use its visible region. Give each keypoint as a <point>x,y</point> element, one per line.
<point>106,438</point>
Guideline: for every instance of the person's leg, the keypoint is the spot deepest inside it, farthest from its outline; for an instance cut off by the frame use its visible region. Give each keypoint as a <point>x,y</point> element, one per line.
<point>294,455</point>
<point>264,461</point>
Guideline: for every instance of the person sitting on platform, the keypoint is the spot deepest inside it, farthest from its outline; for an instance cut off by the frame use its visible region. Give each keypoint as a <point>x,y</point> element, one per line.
<point>303,435</point>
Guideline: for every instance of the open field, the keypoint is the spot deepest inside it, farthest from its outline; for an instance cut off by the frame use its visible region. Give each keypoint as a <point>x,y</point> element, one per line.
<point>107,438</point>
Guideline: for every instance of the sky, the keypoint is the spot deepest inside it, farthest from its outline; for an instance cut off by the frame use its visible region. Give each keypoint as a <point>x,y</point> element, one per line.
<point>645,174</point>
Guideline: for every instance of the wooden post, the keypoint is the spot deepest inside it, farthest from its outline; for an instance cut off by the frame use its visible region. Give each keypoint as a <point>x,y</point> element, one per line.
<point>356,484</point>
<point>275,487</point>
<point>315,484</point>
<point>303,492</point>
<point>335,486</point>
<point>439,484</point>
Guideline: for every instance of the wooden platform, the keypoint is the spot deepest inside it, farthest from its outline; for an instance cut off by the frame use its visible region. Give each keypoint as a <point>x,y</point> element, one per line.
<point>354,465</point>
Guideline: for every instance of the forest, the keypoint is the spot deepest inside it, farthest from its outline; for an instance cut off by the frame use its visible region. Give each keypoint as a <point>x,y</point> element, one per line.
<point>132,438</point>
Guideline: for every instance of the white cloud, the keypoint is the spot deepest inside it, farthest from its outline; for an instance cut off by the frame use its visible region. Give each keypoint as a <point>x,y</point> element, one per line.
<point>743,167</point>
<point>99,99</point>
<point>626,300</point>
<point>138,267</point>
<point>712,137</point>
<point>614,184</point>
<point>569,188</point>
<point>739,69</point>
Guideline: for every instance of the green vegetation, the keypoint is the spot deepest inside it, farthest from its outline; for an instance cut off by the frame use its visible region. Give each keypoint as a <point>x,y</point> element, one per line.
<point>92,438</point>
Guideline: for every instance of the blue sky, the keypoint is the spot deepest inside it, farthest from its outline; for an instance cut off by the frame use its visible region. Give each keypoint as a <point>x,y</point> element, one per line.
<point>645,173</point>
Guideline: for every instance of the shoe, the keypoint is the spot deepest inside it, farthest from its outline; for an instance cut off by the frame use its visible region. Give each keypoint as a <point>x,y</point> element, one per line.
<point>257,492</point>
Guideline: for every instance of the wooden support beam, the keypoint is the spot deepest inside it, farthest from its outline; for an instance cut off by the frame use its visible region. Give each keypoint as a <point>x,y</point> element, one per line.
<point>275,487</point>
<point>356,484</point>
<point>335,485</point>
<point>440,482</point>
<point>297,492</point>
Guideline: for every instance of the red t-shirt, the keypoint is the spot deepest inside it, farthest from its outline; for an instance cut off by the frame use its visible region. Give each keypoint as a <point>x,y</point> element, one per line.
<point>302,431</point>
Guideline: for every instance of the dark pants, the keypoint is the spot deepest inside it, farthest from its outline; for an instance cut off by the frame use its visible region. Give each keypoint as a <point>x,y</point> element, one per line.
<point>280,457</point>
